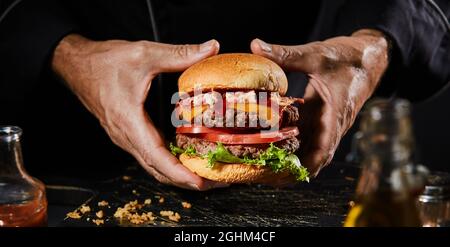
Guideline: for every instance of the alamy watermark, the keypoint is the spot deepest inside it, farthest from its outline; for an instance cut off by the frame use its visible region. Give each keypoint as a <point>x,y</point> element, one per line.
<point>249,109</point>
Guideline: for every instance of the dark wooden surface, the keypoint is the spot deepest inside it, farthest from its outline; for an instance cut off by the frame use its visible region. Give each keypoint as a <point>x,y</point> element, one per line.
<point>322,202</point>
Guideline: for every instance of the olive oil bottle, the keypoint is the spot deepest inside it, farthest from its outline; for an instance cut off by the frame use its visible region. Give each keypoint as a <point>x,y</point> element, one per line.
<point>389,184</point>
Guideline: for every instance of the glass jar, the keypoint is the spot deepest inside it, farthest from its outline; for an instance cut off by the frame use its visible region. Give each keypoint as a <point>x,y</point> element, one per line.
<point>22,198</point>
<point>434,202</point>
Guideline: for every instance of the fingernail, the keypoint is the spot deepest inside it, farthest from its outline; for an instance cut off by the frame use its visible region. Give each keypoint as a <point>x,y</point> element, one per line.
<point>194,186</point>
<point>264,46</point>
<point>205,47</point>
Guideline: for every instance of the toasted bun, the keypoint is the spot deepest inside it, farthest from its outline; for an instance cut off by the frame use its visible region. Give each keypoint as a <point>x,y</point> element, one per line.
<point>230,173</point>
<point>239,71</point>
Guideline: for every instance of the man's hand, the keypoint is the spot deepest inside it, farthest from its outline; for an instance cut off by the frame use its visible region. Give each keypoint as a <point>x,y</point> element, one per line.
<point>344,72</point>
<point>112,80</point>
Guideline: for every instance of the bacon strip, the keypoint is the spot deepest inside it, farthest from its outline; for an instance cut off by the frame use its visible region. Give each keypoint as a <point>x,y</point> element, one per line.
<point>284,105</point>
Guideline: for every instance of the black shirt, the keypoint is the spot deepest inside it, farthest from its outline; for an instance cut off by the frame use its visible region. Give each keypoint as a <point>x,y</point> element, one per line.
<point>59,131</point>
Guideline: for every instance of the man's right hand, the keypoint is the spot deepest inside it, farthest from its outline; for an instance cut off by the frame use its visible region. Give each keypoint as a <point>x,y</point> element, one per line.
<point>112,80</point>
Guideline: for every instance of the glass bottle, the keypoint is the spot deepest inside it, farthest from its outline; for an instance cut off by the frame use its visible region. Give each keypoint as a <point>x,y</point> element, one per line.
<point>389,183</point>
<point>22,198</point>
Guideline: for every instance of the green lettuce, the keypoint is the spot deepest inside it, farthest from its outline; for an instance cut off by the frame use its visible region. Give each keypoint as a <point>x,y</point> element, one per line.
<point>175,150</point>
<point>221,154</point>
<point>278,159</point>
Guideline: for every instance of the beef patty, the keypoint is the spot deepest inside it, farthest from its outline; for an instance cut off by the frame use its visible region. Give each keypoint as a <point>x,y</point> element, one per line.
<point>250,150</point>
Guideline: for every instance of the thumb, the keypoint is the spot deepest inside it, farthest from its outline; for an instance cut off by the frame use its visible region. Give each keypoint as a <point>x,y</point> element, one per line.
<point>302,58</point>
<point>173,58</point>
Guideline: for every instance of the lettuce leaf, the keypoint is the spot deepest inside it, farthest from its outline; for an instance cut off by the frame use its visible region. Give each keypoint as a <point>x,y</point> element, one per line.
<point>175,150</point>
<point>278,159</point>
<point>190,150</point>
<point>221,154</point>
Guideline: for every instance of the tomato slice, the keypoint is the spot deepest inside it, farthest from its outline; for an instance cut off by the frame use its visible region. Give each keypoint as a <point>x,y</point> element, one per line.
<point>255,138</point>
<point>201,130</point>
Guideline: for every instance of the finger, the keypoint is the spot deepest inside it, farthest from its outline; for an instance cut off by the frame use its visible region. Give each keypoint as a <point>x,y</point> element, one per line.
<point>158,176</point>
<point>305,58</point>
<point>151,152</point>
<point>319,142</point>
<point>173,58</point>
<point>163,179</point>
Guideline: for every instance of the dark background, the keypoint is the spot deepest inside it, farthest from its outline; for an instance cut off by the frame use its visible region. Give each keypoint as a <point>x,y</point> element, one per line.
<point>59,134</point>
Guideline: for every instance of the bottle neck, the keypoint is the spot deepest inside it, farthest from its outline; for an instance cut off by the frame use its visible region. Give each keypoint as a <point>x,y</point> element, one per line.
<point>11,162</point>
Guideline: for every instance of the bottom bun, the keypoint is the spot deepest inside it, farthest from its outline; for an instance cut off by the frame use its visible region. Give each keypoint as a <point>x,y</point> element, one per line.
<point>230,173</point>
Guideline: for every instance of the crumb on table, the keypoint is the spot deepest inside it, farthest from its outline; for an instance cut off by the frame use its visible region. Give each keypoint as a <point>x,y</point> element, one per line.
<point>130,212</point>
<point>102,203</point>
<point>85,209</point>
<point>171,215</point>
<point>186,204</point>
<point>176,217</point>
<point>166,213</point>
<point>349,179</point>
<point>99,214</point>
<point>74,215</point>
<point>351,203</point>
<point>98,222</point>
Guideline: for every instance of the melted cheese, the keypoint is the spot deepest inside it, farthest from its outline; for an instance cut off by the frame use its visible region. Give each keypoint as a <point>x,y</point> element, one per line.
<point>264,112</point>
<point>189,115</point>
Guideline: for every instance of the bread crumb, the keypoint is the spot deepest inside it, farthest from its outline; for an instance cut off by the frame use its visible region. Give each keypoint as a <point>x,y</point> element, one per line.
<point>98,222</point>
<point>121,213</point>
<point>166,213</point>
<point>73,215</point>
<point>140,219</point>
<point>171,215</point>
<point>103,203</point>
<point>351,203</point>
<point>129,212</point>
<point>99,214</point>
<point>148,201</point>
<point>85,209</point>
<point>186,204</point>
<point>176,217</point>
<point>133,205</point>
<point>349,179</point>
<point>161,200</point>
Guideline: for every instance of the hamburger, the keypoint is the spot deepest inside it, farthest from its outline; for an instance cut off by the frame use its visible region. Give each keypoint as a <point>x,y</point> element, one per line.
<point>234,123</point>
